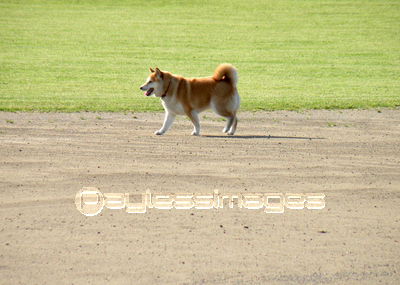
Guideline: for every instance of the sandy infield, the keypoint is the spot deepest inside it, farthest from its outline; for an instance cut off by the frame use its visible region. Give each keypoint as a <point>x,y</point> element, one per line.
<point>352,157</point>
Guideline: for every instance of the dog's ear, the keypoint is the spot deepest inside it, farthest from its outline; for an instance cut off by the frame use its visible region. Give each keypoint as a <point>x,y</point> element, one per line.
<point>158,73</point>
<point>151,70</point>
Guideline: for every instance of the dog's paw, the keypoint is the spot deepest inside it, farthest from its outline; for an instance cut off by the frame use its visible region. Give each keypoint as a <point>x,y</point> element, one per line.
<point>159,133</point>
<point>224,130</point>
<point>230,133</point>
<point>194,133</point>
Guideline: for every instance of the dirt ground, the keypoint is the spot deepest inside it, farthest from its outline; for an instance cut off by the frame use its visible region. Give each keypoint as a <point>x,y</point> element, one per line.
<point>351,156</point>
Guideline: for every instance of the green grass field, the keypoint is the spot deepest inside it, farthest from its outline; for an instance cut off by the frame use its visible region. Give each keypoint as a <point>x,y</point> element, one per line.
<point>93,55</point>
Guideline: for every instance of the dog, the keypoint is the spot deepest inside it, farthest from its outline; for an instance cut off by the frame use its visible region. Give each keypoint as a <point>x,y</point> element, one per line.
<point>181,96</point>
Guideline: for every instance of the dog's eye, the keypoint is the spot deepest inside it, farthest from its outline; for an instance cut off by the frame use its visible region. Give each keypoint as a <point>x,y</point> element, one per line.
<point>150,82</point>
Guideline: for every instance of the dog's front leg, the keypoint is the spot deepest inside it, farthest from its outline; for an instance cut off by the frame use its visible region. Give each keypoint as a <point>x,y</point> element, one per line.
<point>195,120</point>
<point>169,119</point>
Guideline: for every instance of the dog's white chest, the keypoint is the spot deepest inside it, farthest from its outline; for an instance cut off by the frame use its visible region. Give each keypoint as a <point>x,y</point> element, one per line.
<point>173,106</point>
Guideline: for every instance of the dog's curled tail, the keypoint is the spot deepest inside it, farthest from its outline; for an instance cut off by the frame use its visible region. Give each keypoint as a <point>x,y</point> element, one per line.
<point>226,72</point>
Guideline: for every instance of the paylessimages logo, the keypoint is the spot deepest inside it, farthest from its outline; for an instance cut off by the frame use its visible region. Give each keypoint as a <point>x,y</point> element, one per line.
<point>90,201</point>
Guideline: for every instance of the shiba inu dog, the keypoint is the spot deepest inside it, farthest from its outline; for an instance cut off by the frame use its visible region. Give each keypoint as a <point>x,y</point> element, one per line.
<point>181,96</point>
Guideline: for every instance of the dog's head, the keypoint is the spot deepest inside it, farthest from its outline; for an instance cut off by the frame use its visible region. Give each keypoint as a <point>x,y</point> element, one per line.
<point>154,83</point>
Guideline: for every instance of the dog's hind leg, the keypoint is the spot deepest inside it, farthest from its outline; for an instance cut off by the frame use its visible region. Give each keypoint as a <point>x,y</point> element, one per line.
<point>169,119</point>
<point>227,108</point>
<point>232,128</point>
<point>195,121</point>
<point>228,124</point>
<point>231,124</point>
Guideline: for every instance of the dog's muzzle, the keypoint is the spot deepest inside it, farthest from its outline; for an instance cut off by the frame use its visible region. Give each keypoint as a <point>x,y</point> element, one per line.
<point>148,92</point>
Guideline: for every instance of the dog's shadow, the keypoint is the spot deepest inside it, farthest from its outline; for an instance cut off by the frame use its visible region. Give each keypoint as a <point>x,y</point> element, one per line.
<point>261,137</point>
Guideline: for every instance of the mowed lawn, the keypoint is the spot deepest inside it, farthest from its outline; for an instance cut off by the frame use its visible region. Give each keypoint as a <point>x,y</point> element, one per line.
<point>93,55</point>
